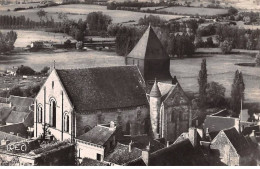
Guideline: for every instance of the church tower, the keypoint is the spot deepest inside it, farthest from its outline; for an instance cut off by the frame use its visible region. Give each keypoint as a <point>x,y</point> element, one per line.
<point>155,104</point>
<point>151,58</point>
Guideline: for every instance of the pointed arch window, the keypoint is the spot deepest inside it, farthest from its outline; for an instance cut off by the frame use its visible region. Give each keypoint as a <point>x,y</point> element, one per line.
<point>52,119</point>
<point>66,123</point>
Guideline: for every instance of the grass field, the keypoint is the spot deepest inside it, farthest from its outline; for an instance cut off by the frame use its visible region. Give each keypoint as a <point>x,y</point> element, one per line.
<point>77,11</point>
<point>193,11</point>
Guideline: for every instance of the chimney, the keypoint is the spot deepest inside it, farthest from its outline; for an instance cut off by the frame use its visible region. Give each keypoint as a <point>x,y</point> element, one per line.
<point>193,136</point>
<point>167,144</point>
<point>112,125</point>
<point>5,142</point>
<point>207,134</point>
<point>253,133</point>
<point>130,146</point>
<point>18,134</point>
<point>146,155</point>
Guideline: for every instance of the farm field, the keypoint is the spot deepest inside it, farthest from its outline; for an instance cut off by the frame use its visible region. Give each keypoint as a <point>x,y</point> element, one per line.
<point>194,10</point>
<point>80,11</point>
<point>13,6</point>
<point>25,37</point>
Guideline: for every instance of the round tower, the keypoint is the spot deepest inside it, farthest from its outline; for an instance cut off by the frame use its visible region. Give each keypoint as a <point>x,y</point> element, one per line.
<point>155,104</point>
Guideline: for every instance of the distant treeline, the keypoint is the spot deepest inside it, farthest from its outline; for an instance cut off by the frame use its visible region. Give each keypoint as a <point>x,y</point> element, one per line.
<point>20,22</point>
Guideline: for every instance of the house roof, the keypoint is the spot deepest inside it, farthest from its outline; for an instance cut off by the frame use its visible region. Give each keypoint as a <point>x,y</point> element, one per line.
<point>165,88</point>
<point>248,130</point>
<point>142,141</point>
<point>155,92</point>
<point>98,135</point>
<point>149,47</point>
<point>18,101</point>
<point>91,162</point>
<point>29,121</point>
<point>4,113</point>
<point>237,140</point>
<point>10,137</point>
<point>121,154</point>
<point>216,123</point>
<point>17,117</point>
<point>178,154</point>
<point>104,87</point>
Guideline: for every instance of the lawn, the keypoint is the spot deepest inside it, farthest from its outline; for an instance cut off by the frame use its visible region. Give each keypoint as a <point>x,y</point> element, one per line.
<point>80,11</point>
<point>194,11</point>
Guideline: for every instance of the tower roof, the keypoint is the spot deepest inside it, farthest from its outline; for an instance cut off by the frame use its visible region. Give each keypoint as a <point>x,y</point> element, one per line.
<point>149,47</point>
<point>155,92</point>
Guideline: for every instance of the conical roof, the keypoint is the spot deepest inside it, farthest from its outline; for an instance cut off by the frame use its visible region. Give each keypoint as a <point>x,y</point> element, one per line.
<point>155,92</point>
<point>149,47</point>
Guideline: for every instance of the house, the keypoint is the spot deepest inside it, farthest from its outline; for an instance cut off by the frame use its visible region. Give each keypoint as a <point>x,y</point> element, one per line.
<point>12,71</point>
<point>219,121</point>
<point>151,58</point>
<point>178,154</point>
<point>30,153</point>
<point>73,101</point>
<point>170,111</point>
<point>97,142</point>
<point>229,147</point>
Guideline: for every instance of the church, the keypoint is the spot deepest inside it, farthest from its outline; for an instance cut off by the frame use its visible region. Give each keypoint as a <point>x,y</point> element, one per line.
<point>73,101</point>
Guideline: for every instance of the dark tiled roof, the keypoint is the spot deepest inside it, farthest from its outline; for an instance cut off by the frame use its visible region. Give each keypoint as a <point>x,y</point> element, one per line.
<point>10,137</point>
<point>237,140</point>
<point>17,117</point>
<point>18,101</point>
<point>91,162</point>
<point>104,87</point>
<point>121,154</point>
<point>98,135</point>
<point>155,92</point>
<point>4,113</point>
<point>248,130</point>
<point>141,142</point>
<point>29,121</point>
<point>149,47</point>
<point>178,154</point>
<point>215,123</point>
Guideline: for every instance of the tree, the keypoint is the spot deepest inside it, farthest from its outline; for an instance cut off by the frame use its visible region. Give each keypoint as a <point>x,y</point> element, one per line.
<point>202,80</point>
<point>7,41</point>
<point>237,93</point>
<point>215,94</point>
<point>257,59</point>
<point>45,70</point>
<point>16,91</point>
<point>97,21</point>
<point>25,70</point>
<point>226,47</point>
<point>232,11</point>
<point>41,13</point>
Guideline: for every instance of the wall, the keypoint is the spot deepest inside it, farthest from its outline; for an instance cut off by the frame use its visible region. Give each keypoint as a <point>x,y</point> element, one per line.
<point>63,106</point>
<point>175,113</point>
<point>224,151</point>
<point>87,150</point>
<point>127,115</point>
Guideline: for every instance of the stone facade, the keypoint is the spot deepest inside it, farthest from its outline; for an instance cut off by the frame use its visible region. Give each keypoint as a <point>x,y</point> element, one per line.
<point>132,119</point>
